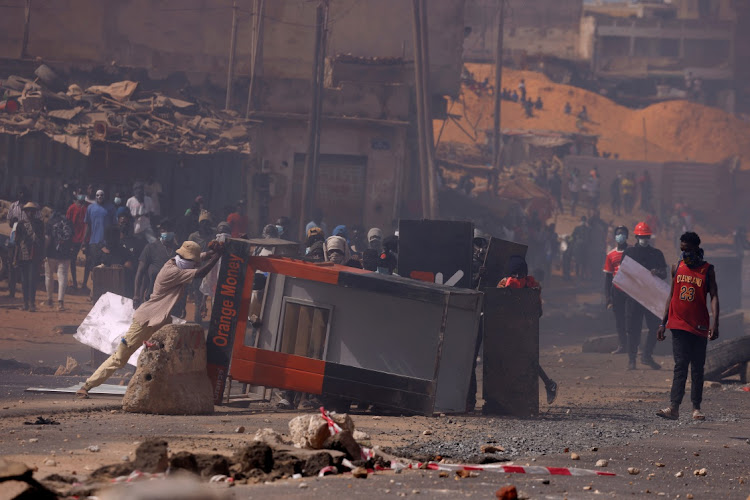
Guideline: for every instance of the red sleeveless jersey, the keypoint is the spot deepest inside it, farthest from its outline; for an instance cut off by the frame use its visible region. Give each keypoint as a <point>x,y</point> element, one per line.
<point>688,309</point>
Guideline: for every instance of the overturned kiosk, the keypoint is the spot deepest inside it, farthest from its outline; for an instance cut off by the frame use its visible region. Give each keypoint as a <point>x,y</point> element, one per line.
<point>360,336</point>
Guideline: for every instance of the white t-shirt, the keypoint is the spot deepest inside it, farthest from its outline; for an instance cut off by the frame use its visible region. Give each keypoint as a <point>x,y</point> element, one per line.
<point>153,191</point>
<point>139,210</point>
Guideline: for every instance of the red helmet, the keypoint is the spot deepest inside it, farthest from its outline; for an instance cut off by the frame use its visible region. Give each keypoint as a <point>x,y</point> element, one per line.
<point>642,229</point>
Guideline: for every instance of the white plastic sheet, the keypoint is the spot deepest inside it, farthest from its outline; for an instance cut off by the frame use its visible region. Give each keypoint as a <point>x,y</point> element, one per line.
<point>642,286</point>
<point>106,324</point>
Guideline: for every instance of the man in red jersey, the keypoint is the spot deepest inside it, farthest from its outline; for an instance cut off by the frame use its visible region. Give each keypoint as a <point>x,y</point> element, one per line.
<point>614,296</point>
<point>686,315</point>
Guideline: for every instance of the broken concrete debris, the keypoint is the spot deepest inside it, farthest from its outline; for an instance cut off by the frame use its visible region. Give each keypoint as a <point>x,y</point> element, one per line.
<point>121,112</point>
<point>172,380</point>
<point>507,493</point>
<point>71,368</point>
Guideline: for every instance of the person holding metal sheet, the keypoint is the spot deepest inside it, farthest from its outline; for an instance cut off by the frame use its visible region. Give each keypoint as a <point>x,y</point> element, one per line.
<point>686,314</point>
<point>614,296</point>
<point>170,285</point>
<point>518,277</point>
<point>653,260</point>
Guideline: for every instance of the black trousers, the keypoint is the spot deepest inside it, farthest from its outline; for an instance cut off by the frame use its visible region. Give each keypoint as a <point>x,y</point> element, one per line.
<point>634,316</point>
<point>29,278</point>
<point>619,299</point>
<point>688,350</point>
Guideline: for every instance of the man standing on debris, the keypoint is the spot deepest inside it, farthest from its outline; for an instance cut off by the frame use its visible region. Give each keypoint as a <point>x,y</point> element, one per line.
<point>614,296</point>
<point>141,209</point>
<point>98,219</point>
<point>653,260</point>
<point>169,287</point>
<point>686,314</point>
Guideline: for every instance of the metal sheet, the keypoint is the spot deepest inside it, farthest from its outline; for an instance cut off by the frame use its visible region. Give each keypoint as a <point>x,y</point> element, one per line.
<point>226,313</point>
<point>104,389</point>
<point>436,250</point>
<point>642,286</point>
<point>511,351</point>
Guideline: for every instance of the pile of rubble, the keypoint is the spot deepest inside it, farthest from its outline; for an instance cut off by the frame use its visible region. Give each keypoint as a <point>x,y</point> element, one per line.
<point>120,112</point>
<point>313,450</point>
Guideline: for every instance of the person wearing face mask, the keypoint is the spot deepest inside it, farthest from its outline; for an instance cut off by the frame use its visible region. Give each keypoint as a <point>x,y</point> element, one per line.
<point>169,287</point>
<point>283,227</point>
<point>653,260</point>
<point>151,261</point>
<point>76,214</point>
<point>614,296</point>
<point>336,250</point>
<point>120,208</point>
<point>686,314</point>
<point>375,239</point>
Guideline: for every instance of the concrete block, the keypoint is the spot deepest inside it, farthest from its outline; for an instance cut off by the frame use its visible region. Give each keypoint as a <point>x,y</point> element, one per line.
<point>171,378</point>
<point>309,431</point>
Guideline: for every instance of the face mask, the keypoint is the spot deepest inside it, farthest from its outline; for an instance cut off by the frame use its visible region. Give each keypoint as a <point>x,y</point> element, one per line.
<point>167,236</point>
<point>183,264</point>
<point>643,242</point>
<point>692,258</point>
<point>280,229</point>
<point>336,257</point>
<point>81,197</point>
<point>621,238</point>
<point>118,200</point>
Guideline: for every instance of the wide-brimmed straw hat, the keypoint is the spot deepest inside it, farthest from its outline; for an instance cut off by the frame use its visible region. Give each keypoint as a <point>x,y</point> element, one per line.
<point>190,250</point>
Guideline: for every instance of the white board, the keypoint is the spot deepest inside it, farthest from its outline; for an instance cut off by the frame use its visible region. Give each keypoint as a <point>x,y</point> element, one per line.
<point>642,286</point>
<point>106,324</point>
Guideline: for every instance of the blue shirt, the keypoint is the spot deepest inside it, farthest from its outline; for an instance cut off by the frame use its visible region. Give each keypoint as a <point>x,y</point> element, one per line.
<point>99,218</point>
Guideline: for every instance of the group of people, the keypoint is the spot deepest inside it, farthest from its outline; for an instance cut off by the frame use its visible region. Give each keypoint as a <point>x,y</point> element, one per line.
<point>686,311</point>
<point>125,233</point>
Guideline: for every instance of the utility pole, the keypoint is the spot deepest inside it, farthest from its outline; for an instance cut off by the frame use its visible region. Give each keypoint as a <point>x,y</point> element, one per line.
<point>256,54</point>
<point>232,47</point>
<point>498,135</point>
<point>26,26</point>
<point>427,96</point>
<point>310,177</point>
<point>418,88</point>
<point>424,115</point>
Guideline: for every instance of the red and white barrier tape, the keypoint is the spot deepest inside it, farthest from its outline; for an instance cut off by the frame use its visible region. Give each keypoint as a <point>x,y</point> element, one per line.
<point>510,469</point>
<point>334,428</point>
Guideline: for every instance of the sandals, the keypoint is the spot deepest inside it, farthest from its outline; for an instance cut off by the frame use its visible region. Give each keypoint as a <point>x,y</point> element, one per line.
<point>697,415</point>
<point>82,393</point>
<point>668,413</point>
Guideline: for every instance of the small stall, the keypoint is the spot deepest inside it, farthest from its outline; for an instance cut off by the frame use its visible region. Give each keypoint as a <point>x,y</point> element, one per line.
<point>338,331</point>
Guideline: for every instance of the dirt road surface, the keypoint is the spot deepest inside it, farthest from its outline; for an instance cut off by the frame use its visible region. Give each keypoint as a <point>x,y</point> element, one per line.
<point>602,412</point>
